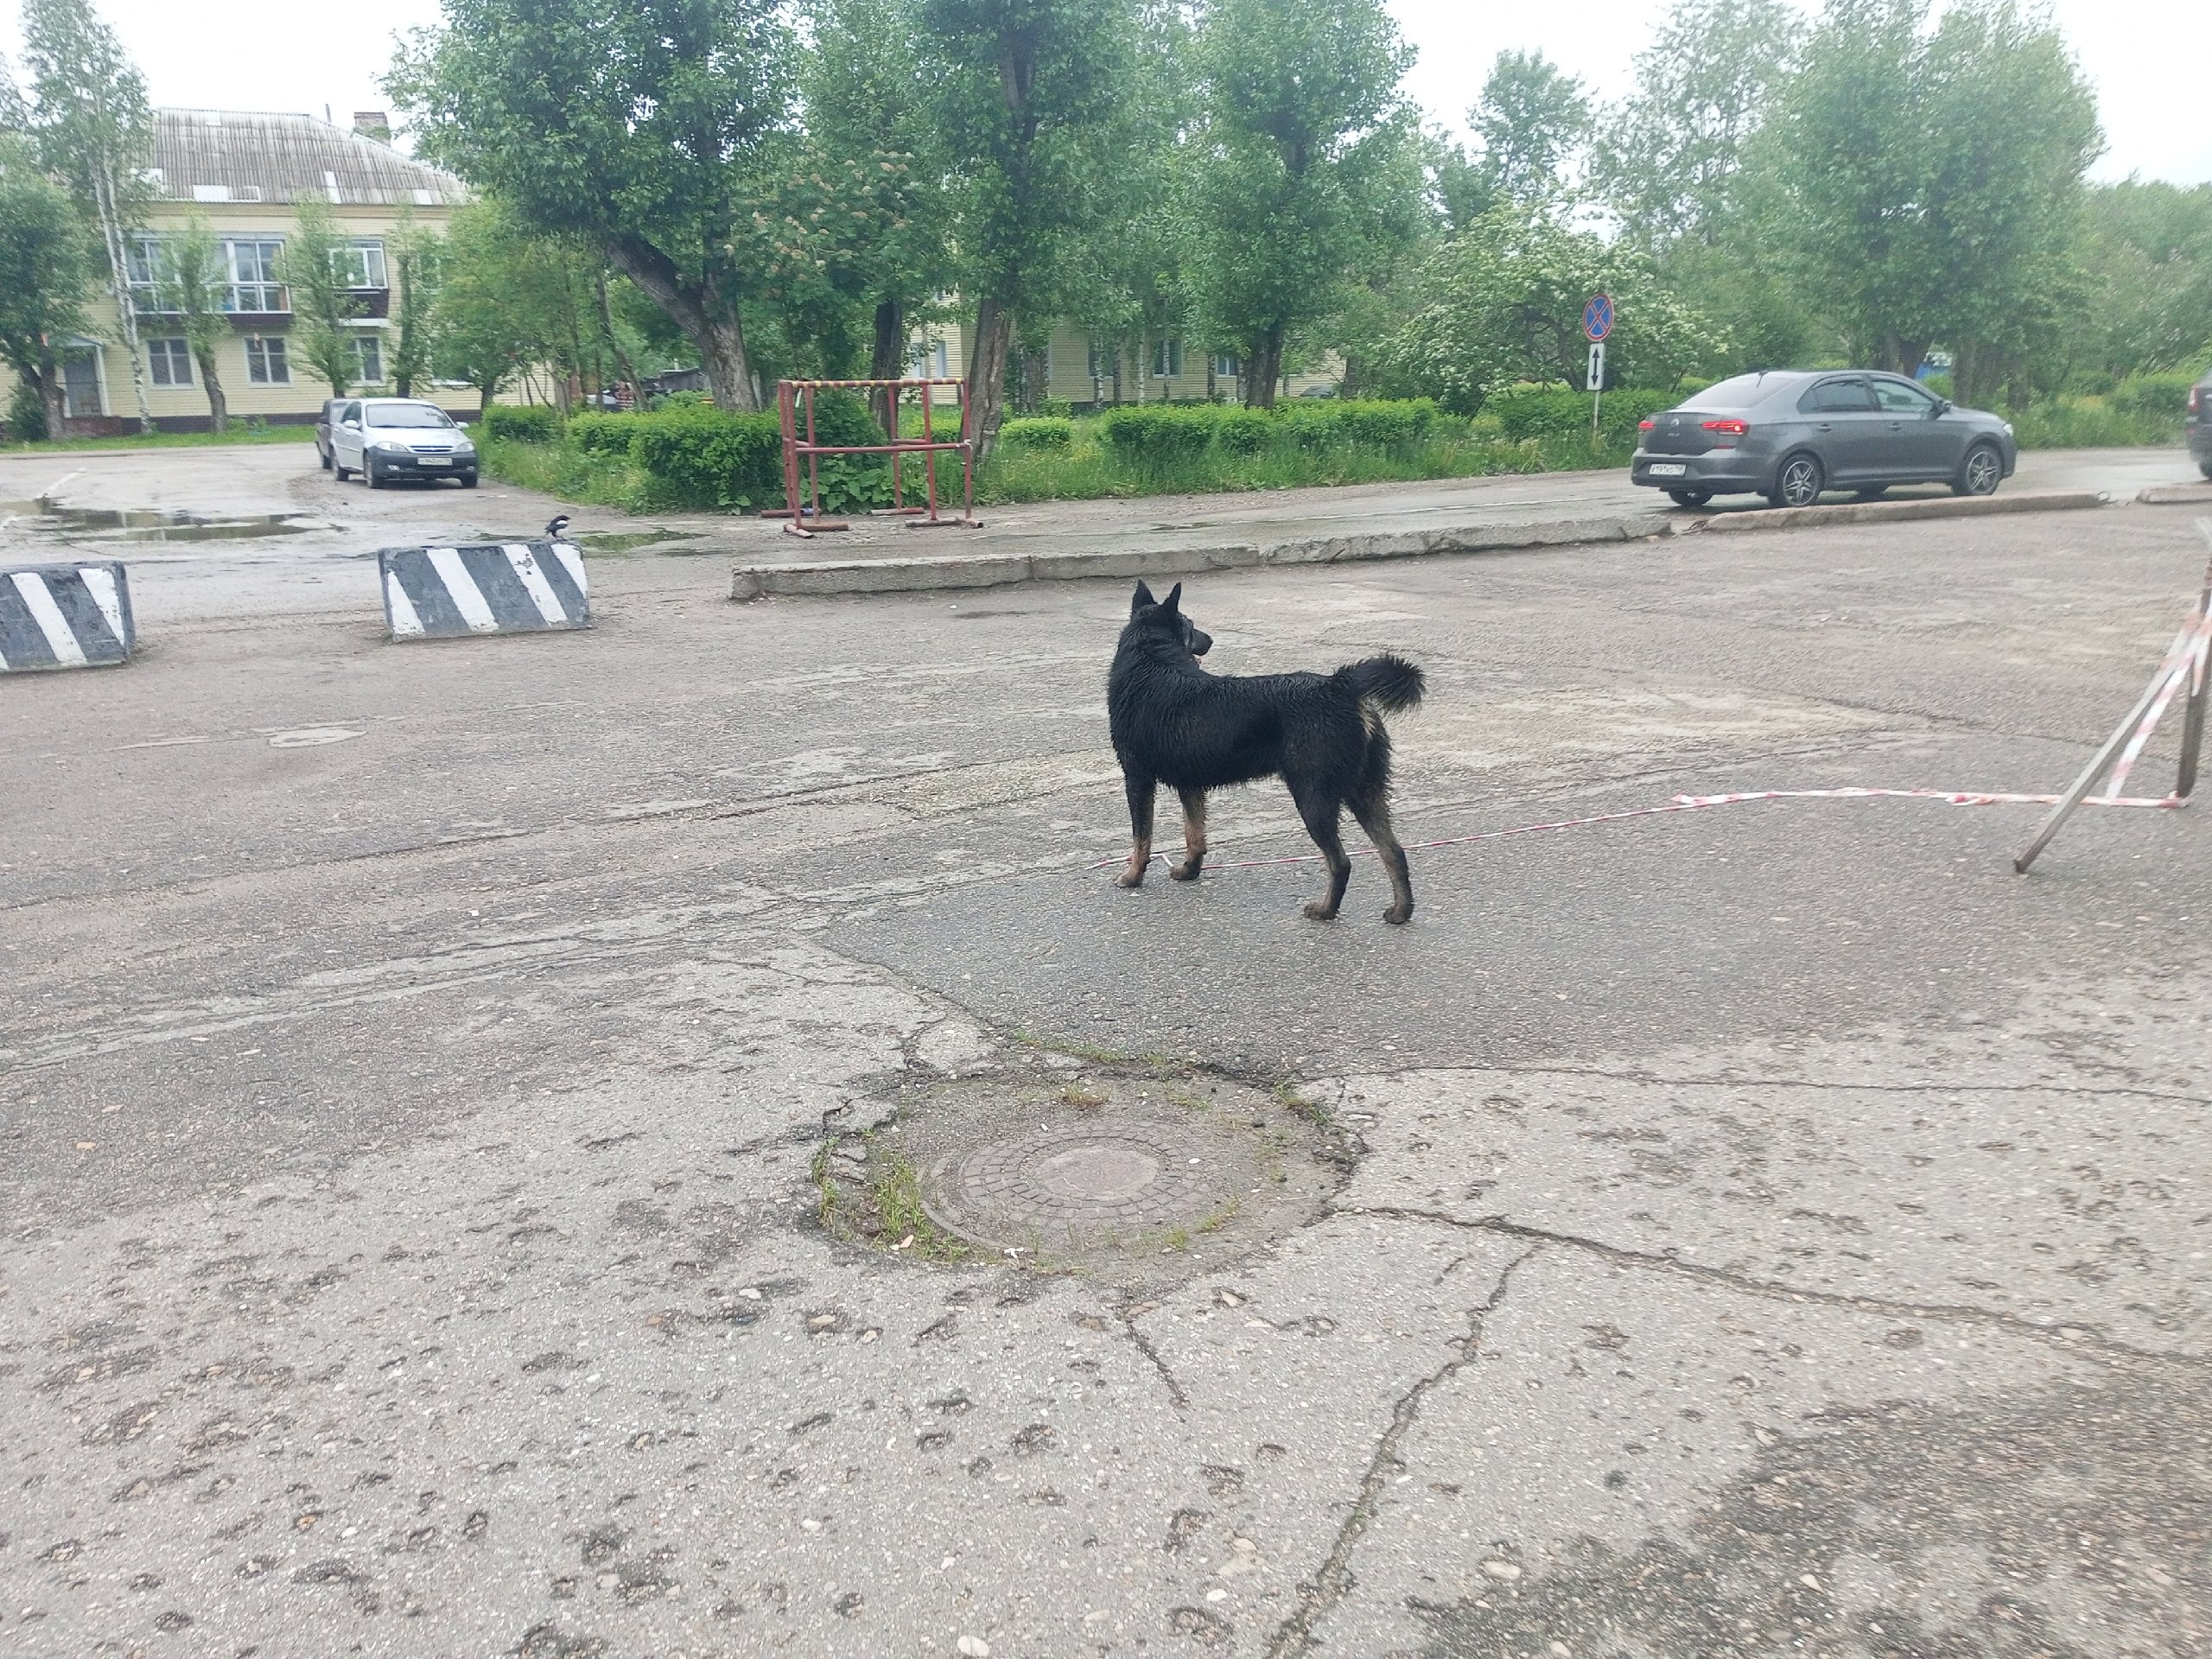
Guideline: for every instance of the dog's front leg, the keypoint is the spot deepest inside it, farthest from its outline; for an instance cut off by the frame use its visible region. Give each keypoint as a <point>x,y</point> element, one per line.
<point>1194,835</point>
<point>1142,790</point>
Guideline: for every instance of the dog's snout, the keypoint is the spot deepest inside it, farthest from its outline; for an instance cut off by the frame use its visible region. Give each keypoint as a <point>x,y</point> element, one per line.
<point>1200,643</point>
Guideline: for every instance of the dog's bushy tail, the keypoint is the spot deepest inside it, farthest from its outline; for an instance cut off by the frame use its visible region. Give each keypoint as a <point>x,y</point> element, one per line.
<point>1388,682</point>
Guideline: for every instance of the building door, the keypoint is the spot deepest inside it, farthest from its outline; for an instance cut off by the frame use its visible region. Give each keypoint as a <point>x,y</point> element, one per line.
<point>80,386</point>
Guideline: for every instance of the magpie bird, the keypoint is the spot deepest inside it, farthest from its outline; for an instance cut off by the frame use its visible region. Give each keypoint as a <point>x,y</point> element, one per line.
<point>554,526</point>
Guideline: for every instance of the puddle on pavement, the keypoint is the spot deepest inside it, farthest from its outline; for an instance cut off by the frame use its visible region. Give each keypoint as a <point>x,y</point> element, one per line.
<point>615,545</point>
<point>47,518</point>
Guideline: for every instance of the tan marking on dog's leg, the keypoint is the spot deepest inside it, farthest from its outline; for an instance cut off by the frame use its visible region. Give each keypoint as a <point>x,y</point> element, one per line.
<point>1140,861</point>
<point>1143,792</point>
<point>1376,820</point>
<point>1194,837</point>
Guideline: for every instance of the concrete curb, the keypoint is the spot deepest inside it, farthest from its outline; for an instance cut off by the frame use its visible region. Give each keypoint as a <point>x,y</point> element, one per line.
<point>751,582</point>
<point>1868,513</point>
<point>2176,495</point>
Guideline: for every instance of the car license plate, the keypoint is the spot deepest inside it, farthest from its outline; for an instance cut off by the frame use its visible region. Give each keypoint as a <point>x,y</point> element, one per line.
<point>434,460</point>
<point>1667,468</point>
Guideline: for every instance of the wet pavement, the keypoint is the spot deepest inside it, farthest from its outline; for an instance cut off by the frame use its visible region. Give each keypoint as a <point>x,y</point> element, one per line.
<point>464,1107</point>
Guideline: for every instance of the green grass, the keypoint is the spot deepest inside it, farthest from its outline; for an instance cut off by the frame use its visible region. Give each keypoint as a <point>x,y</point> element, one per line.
<point>240,433</point>
<point>559,469</point>
<point>2091,424</point>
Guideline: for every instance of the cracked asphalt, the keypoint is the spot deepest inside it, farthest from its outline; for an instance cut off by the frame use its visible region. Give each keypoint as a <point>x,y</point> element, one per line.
<point>1776,1229</point>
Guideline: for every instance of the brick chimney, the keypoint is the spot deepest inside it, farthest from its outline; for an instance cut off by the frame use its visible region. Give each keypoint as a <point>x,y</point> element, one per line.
<point>373,123</point>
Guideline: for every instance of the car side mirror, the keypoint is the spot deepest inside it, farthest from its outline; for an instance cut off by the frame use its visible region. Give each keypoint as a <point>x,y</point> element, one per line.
<point>1943,406</point>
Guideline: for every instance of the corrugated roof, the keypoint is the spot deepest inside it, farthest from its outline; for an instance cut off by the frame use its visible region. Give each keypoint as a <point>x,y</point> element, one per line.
<point>253,155</point>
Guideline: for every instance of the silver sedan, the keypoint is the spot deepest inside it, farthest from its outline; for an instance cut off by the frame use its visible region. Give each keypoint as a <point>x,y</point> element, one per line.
<point>1790,433</point>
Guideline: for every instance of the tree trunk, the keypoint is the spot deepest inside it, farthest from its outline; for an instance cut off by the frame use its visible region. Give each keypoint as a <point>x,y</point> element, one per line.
<point>706,321</point>
<point>51,398</point>
<point>887,361</point>
<point>987,354</point>
<point>119,273</point>
<point>1036,378</point>
<point>623,365</point>
<point>1263,369</point>
<point>219,406</point>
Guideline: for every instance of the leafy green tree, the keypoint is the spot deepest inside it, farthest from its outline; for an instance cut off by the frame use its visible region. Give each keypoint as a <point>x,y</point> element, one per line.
<point>495,316</point>
<point>1530,123</point>
<point>321,306</point>
<point>2148,248</point>
<point>191,279</point>
<point>1028,98</point>
<point>1503,303</point>
<point>1669,158</point>
<point>877,152</point>
<point>45,268</point>
<point>648,130</point>
<point>1302,136</point>
<point>415,251</point>
<point>1929,183</point>
<point>95,131</point>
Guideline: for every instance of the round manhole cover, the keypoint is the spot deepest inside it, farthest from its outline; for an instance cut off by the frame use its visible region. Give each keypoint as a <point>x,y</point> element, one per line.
<point>1098,1177</point>
<point>1075,1164</point>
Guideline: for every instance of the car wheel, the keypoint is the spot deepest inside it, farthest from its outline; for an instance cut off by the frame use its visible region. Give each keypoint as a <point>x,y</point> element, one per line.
<point>370,476</point>
<point>325,454</point>
<point>341,472</point>
<point>1982,472</point>
<point>1798,482</point>
<point>1689,498</point>
<point>2205,468</point>
<point>468,480</point>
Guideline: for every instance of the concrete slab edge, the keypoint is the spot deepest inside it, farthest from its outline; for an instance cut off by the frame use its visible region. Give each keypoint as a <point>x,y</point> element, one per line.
<point>844,576</point>
<point>1861,512</point>
<point>2176,495</point>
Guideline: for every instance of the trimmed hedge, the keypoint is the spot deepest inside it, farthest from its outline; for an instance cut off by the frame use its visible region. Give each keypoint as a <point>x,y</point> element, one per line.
<point>699,456</point>
<point>604,434</point>
<point>1567,414</point>
<point>522,423</point>
<point>1161,434</point>
<point>1158,435</point>
<point>2163,395</point>
<point>1038,432</point>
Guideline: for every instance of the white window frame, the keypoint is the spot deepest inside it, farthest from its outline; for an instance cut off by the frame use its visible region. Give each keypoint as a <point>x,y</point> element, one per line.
<point>257,347</point>
<point>1167,358</point>
<point>365,342</point>
<point>362,257</point>
<point>168,354</point>
<point>1227,365</point>
<point>257,281</point>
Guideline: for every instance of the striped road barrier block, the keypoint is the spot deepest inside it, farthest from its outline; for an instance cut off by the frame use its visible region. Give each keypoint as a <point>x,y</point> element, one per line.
<point>446,592</point>
<point>65,616</point>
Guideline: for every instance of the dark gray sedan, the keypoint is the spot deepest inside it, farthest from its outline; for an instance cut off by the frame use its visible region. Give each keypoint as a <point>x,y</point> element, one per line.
<point>1790,433</point>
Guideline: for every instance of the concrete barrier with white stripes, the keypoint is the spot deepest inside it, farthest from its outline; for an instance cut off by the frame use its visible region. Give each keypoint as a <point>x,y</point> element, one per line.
<point>65,616</point>
<point>446,592</point>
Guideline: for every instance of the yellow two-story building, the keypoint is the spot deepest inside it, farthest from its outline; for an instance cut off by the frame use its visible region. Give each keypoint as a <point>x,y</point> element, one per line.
<point>245,174</point>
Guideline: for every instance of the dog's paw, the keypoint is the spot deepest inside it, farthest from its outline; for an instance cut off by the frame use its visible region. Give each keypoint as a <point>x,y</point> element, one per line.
<point>1320,910</point>
<point>1398,915</point>
<point>1130,879</point>
<point>1185,871</point>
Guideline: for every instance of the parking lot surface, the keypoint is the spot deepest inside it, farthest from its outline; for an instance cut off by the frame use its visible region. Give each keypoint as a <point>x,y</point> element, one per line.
<point>431,1080</point>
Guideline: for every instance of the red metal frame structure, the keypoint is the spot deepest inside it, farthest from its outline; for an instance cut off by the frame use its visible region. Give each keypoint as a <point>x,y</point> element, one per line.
<point>802,509</point>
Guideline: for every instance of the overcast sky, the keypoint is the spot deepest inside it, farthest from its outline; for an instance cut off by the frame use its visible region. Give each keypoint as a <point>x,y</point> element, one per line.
<point>2147,58</point>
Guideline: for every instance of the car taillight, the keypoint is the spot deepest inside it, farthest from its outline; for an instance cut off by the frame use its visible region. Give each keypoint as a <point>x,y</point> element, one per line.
<point>2196,401</point>
<point>1728,428</point>
<point>1647,424</point>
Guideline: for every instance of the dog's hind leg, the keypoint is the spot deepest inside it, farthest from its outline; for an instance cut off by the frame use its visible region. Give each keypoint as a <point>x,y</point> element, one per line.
<point>1320,814</point>
<point>1374,816</point>
<point>1194,835</point>
<point>1142,790</point>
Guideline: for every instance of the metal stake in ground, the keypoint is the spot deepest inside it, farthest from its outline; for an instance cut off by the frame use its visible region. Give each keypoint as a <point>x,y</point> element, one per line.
<point>2184,665</point>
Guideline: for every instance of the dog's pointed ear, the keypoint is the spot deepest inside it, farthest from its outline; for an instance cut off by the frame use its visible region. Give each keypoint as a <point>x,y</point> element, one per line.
<point>1142,598</point>
<point>1174,598</point>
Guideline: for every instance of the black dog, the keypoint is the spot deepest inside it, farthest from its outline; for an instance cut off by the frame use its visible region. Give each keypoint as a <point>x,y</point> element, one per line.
<point>1173,723</point>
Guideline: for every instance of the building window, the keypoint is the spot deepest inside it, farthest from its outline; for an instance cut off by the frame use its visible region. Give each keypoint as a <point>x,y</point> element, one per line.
<point>360,264</point>
<point>171,361</point>
<point>265,363</point>
<point>254,286</point>
<point>368,360</point>
<point>1226,365</point>
<point>933,360</point>
<point>147,264</point>
<point>1167,358</point>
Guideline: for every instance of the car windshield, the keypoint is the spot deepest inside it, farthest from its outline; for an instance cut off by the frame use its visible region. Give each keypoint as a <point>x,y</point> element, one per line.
<point>1740,391</point>
<point>407,415</point>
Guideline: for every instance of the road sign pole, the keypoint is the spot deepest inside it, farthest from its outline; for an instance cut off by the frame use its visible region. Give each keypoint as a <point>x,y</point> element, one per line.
<point>1597,323</point>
